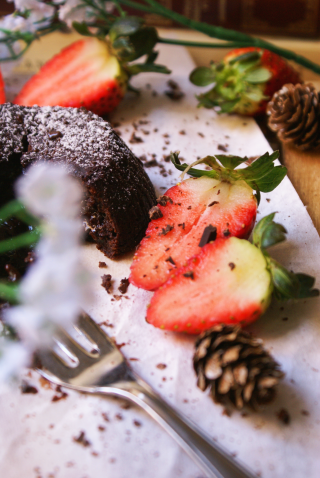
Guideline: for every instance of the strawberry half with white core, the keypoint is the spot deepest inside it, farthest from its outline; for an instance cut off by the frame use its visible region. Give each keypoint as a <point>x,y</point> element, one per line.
<point>244,81</point>
<point>230,281</point>
<point>83,74</point>
<point>221,200</point>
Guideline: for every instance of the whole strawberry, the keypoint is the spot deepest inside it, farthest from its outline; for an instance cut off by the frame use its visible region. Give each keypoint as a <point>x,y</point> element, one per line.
<point>244,81</point>
<point>2,93</point>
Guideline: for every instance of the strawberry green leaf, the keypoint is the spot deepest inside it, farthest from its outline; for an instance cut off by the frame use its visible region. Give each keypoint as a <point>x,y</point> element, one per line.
<point>306,286</point>
<point>125,26</point>
<point>268,233</point>
<point>196,173</point>
<point>260,75</point>
<point>288,285</point>
<point>229,161</point>
<point>262,173</point>
<point>202,76</point>
<point>248,56</point>
<point>146,67</point>
<point>83,29</point>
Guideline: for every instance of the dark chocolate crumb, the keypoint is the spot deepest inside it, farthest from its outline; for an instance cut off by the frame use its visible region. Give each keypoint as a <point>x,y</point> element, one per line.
<point>105,417</point>
<point>226,232</point>
<point>137,423</point>
<point>169,259</point>
<point>124,284</point>
<point>221,147</point>
<point>82,440</point>
<point>117,297</point>
<point>167,158</point>
<point>61,395</point>
<point>161,366</point>
<point>151,164</point>
<point>305,413</point>
<point>231,265</point>
<point>218,192</point>
<point>143,158</point>
<point>182,225</point>
<point>135,139</point>
<point>166,135</point>
<point>209,234</point>
<point>201,135</point>
<point>102,264</point>
<point>174,95</point>
<point>106,282</point>
<point>189,207</point>
<point>163,200</point>
<point>268,200</point>
<point>133,359</point>
<point>182,132</point>
<point>189,275</point>
<point>155,213</point>
<point>118,416</point>
<point>165,230</point>
<point>27,388</point>
<point>213,203</point>
<point>155,130</point>
<point>284,416</point>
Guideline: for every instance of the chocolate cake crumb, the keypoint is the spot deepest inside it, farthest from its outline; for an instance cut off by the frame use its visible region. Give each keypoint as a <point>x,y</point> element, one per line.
<point>54,134</point>
<point>182,225</point>
<point>161,366</point>
<point>118,416</point>
<point>174,93</point>
<point>201,135</point>
<point>143,158</point>
<point>27,388</point>
<point>117,297</point>
<point>213,203</point>
<point>124,284</point>
<point>82,440</point>
<point>105,417</point>
<point>231,265</point>
<point>102,264</point>
<point>218,192</point>
<point>137,423</point>
<point>163,200</point>
<point>151,164</point>
<point>165,230</point>
<point>189,275</point>
<point>166,135</point>
<point>209,234</point>
<point>106,282</point>
<point>169,259</point>
<point>284,416</point>
<point>221,147</point>
<point>155,213</point>
<point>182,132</point>
<point>60,396</point>
<point>226,232</point>
<point>135,139</point>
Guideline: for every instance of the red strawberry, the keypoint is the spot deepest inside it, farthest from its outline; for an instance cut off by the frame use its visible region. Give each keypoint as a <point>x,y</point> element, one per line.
<point>2,93</point>
<point>83,74</point>
<point>230,281</point>
<point>223,203</point>
<point>244,81</point>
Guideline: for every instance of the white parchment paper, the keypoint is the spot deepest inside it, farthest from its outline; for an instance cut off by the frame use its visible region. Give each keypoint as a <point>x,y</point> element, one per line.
<point>37,434</point>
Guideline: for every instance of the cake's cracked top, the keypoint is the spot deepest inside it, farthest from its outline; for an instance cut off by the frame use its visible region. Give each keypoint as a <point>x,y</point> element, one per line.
<point>119,193</point>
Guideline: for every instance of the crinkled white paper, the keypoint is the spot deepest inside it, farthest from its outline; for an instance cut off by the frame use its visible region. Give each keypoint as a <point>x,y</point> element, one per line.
<point>37,435</point>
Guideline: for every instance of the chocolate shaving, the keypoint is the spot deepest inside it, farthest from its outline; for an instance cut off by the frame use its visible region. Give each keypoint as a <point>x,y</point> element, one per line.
<point>189,275</point>
<point>182,225</point>
<point>169,259</point>
<point>155,213</point>
<point>102,264</point>
<point>231,265</point>
<point>106,282</point>
<point>284,416</point>
<point>165,230</point>
<point>213,203</point>
<point>27,388</point>
<point>161,366</point>
<point>222,148</point>
<point>163,200</point>
<point>135,139</point>
<point>226,233</point>
<point>209,234</point>
<point>81,439</point>
<point>124,284</point>
<point>151,164</point>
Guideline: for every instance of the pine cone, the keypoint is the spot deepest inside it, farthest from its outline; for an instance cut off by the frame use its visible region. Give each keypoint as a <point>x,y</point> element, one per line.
<point>295,115</point>
<point>236,367</point>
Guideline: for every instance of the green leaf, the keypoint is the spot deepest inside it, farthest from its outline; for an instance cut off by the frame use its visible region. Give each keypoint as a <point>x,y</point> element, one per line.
<point>22,240</point>
<point>286,284</point>
<point>268,233</point>
<point>152,57</point>
<point>248,56</point>
<point>146,67</point>
<point>229,161</point>
<point>306,286</point>
<point>228,106</point>
<point>255,95</point>
<point>9,292</point>
<point>262,173</point>
<point>125,26</point>
<point>202,76</point>
<point>259,75</point>
<point>196,173</point>
<point>83,29</point>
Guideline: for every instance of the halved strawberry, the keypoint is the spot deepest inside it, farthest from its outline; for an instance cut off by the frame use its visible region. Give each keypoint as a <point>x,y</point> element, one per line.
<point>84,74</point>
<point>2,93</point>
<point>230,281</point>
<point>221,200</point>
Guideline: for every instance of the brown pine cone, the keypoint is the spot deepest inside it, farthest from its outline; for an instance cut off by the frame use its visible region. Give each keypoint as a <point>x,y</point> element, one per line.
<point>237,368</point>
<point>294,114</point>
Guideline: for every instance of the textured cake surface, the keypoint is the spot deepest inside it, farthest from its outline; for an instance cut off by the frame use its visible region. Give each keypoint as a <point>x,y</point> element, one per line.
<point>119,193</point>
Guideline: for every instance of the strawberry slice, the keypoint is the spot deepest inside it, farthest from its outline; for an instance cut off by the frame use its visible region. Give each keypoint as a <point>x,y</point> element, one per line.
<point>83,74</point>
<point>2,93</point>
<point>220,201</point>
<point>230,281</point>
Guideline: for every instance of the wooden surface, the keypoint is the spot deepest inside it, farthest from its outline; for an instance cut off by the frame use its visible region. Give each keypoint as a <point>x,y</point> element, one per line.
<point>304,173</point>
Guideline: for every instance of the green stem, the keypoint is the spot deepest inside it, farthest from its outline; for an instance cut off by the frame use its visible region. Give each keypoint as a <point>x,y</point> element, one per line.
<point>230,44</point>
<point>9,292</point>
<point>240,39</point>
<point>23,240</point>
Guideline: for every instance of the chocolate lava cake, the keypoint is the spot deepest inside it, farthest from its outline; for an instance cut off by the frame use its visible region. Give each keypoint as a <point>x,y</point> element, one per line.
<point>119,193</point>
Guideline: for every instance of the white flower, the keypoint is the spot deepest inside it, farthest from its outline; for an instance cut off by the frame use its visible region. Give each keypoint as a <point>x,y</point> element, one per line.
<point>71,12</point>
<point>46,189</point>
<point>13,356</point>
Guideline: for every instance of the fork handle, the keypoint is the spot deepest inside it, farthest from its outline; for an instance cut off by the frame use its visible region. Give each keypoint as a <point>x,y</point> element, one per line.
<point>212,460</point>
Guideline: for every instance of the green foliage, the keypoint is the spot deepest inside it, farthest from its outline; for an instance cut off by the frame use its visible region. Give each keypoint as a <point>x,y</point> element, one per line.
<point>268,233</point>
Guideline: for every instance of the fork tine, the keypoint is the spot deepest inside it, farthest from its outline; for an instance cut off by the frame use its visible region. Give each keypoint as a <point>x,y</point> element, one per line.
<point>94,332</point>
<point>49,360</point>
<point>84,357</point>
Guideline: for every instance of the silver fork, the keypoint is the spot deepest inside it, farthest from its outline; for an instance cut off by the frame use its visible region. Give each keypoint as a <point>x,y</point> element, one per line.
<point>91,363</point>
